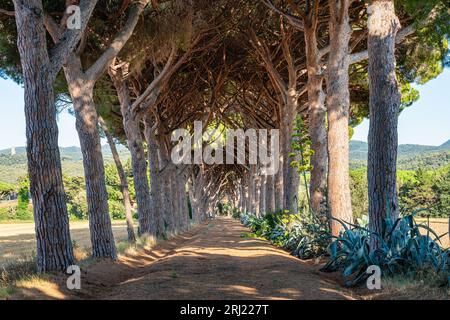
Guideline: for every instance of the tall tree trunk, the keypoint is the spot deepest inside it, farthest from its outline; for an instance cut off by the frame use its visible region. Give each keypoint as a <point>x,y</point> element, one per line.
<point>384,103</point>
<point>155,178</point>
<point>250,190</point>
<point>123,181</point>
<point>102,237</point>
<point>263,195</point>
<point>166,188</point>
<point>279,189</point>
<point>258,195</point>
<point>54,246</point>
<point>317,126</point>
<point>270,193</point>
<point>290,176</point>
<point>81,91</point>
<point>338,103</point>
<point>133,133</point>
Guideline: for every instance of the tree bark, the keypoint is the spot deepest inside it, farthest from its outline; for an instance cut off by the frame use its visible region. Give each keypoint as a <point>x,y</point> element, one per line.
<point>384,103</point>
<point>81,91</point>
<point>155,178</point>
<point>279,189</point>
<point>123,181</point>
<point>133,133</point>
<point>263,195</point>
<point>166,188</point>
<point>270,193</point>
<point>317,127</point>
<point>54,246</point>
<point>290,176</point>
<point>338,104</point>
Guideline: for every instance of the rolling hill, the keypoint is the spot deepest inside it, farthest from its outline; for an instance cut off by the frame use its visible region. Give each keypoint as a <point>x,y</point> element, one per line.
<point>12,167</point>
<point>410,157</point>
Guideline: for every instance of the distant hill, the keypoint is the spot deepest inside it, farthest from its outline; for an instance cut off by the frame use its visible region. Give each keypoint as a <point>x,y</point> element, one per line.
<point>13,167</point>
<point>410,156</point>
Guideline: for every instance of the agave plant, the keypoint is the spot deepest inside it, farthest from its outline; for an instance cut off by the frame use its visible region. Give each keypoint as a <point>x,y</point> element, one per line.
<point>309,237</point>
<point>405,247</point>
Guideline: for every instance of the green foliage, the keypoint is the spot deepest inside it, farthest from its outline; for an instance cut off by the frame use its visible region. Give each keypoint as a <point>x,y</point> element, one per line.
<point>76,197</point>
<point>427,190</point>
<point>358,190</point>
<point>405,247</point>
<point>23,211</point>
<point>420,189</point>
<point>304,235</point>
<point>6,189</point>
<point>302,152</point>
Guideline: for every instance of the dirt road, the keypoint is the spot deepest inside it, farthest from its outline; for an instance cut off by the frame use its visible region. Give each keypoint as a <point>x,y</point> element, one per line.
<point>213,261</point>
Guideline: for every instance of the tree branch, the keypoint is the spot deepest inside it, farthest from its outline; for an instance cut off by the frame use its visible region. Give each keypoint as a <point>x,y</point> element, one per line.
<point>70,39</point>
<point>297,23</point>
<point>99,67</point>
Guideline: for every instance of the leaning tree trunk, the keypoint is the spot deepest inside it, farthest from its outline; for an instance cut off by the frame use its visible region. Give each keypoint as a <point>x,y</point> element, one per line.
<point>317,126</point>
<point>384,103</point>
<point>132,130</point>
<point>54,246</point>
<point>123,181</point>
<point>338,103</point>
<point>81,91</point>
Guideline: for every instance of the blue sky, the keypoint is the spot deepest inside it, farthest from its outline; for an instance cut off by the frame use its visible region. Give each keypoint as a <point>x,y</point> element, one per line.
<point>425,122</point>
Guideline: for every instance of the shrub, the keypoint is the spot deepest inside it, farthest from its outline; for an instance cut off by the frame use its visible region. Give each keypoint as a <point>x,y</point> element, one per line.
<point>304,235</point>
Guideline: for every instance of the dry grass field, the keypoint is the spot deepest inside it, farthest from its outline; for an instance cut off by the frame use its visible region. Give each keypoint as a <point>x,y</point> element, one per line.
<point>17,241</point>
<point>440,226</point>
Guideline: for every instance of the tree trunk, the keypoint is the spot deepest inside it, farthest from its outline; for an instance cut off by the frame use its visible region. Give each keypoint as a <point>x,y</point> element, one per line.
<point>290,176</point>
<point>132,130</point>
<point>166,188</point>
<point>262,195</point>
<point>81,91</point>
<point>338,103</point>
<point>317,126</point>
<point>278,180</point>
<point>123,181</point>
<point>141,184</point>
<point>384,103</point>
<point>258,195</point>
<point>155,179</point>
<point>54,246</point>
<point>270,193</point>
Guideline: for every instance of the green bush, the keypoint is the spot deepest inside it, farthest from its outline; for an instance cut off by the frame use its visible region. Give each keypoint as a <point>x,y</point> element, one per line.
<point>304,235</point>
<point>406,247</point>
<point>23,211</point>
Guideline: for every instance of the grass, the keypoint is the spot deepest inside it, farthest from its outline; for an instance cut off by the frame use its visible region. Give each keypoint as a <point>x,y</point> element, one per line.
<point>143,242</point>
<point>14,273</point>
<point>408,288</point>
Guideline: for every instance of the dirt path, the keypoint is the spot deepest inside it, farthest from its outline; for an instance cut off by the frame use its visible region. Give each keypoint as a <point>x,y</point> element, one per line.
<point>209,262</point>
